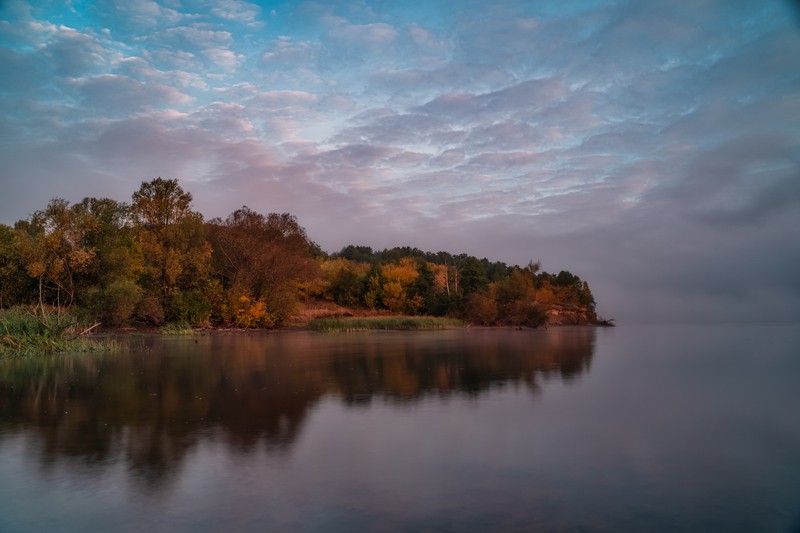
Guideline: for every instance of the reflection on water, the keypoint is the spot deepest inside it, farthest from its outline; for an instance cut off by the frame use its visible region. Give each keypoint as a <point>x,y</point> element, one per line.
<point>154,401</point>
<point>662,428</point>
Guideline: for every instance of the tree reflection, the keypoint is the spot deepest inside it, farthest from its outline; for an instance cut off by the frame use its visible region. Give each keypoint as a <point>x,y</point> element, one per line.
<point>410,371</point>
<point>157,401</point>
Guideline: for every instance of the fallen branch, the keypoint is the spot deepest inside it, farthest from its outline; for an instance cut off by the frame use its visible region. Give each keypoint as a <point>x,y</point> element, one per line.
<point>87,330</point>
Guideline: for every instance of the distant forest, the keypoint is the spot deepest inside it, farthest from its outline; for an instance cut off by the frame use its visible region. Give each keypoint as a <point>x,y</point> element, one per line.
<point>156,261</point>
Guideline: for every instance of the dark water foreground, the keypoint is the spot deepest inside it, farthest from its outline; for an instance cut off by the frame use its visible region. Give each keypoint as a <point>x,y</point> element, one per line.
<point>568,429</point>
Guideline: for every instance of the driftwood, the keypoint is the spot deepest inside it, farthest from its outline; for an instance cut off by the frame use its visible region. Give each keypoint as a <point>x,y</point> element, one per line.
<point>87,330</point>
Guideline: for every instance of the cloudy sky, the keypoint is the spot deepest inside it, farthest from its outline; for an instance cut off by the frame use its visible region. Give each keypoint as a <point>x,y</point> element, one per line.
<point>651,147</point>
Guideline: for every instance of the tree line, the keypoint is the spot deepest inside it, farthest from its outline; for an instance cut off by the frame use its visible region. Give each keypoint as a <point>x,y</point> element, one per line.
<point>156,260</point>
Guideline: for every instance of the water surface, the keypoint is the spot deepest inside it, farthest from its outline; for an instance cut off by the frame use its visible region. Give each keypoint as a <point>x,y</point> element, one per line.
<point>678,428</point>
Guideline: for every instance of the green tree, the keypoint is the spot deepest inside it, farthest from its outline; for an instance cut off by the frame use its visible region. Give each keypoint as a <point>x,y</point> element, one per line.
<point>473,276</point>
<point>423,288</point>
<point>110,290</point>
<point>363,254</point>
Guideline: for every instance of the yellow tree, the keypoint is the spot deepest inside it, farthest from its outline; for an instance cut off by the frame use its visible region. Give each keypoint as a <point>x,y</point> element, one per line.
<point>345,281</point>
<point>16,286</point>
<point>53,245</point>
<point>177,257</point>
<point>398,277</point>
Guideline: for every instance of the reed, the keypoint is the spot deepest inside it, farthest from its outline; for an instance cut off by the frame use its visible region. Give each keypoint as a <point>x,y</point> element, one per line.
<point>399,323</point>
<point>26,332</point>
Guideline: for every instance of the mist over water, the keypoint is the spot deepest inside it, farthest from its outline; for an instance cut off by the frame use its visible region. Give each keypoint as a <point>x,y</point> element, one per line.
<point>665,428</point>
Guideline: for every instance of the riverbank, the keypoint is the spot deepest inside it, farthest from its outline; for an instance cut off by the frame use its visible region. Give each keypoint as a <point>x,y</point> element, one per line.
<point>23,332</point>
<point>326,316</point>
<point>28,332</point>
<point>397,323</point>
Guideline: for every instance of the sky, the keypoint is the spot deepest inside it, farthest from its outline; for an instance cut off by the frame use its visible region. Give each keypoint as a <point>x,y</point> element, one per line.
<point>650,147</point>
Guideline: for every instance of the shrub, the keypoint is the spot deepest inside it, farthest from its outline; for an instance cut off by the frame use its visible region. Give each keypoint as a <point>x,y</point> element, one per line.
<point>190,307</point>
<point>480,308</point>
<point>253,314</point>
<point>114,305</point>
<point>148,311</point>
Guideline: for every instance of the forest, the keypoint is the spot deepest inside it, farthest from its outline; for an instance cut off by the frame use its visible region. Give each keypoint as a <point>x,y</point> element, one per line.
<point>157,261</point>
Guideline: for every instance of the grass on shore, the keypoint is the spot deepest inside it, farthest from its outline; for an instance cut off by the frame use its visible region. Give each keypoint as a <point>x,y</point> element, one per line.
<point>177,329</point>
<point>24,333</point>
<point>404,323</point>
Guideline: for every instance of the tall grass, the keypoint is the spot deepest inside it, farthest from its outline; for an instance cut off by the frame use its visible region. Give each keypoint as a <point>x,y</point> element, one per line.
<point>24,332</point>
<point>384,323</point>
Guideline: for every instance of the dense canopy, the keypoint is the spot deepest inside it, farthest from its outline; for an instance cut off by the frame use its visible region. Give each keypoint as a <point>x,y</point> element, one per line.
<point>156,261</point>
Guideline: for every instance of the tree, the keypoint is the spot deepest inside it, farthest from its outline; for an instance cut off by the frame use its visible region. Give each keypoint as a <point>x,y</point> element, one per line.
<point>177,257</point>
<point>473,276</point>
<point>15,285</point>
<point>347,287</point>
<point>263,258</point>
<point>372,291</point>
<point>398,279</point>
<point>363,254</point>
<point>423,288</point>
<point>480,308</point>
<point>566,278</point>
<point>54,248</point>
<point>159,204</point>
<point>110,290</point>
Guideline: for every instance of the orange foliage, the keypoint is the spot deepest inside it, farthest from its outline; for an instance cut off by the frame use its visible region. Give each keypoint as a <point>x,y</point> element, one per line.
<point>404,272</point>
<point>253,314</point>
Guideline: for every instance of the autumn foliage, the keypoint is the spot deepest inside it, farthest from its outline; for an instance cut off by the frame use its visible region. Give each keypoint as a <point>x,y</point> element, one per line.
<point>157,261</point>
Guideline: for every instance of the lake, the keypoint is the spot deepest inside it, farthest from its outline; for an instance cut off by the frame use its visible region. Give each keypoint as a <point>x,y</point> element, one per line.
<point>634,428</point>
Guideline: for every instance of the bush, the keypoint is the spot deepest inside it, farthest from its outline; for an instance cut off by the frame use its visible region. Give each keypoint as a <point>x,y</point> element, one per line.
<point>148,311</point>
<point>480,308</point>
<point>190,307</point>
<point>114,305</point>
<point>527,314</point>
<point>252,314</point>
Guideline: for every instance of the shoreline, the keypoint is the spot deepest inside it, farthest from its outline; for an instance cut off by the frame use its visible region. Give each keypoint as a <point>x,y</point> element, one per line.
<point>306,328</point>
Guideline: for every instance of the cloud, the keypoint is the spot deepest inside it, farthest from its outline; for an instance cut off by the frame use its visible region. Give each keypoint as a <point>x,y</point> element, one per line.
<point>224,58</point>
<point>238,11</point>
<point>121,95</point>
<point>139,14</point>
<point>739,182</point>
<point>194,36</point>
<point>649,148</point>
<point>363,34</point>
<point>22,73</point>
<point>139,68</point>
<point>74,53</point>
<point>286,51</point>
<point>277,100</point>
<point>427,42</point>
<point>174,60</point>
<point>228,121</point>
<point>357,47</point>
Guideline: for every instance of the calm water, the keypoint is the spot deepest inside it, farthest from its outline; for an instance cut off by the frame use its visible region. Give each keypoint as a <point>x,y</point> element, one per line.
<point>673,428</point>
